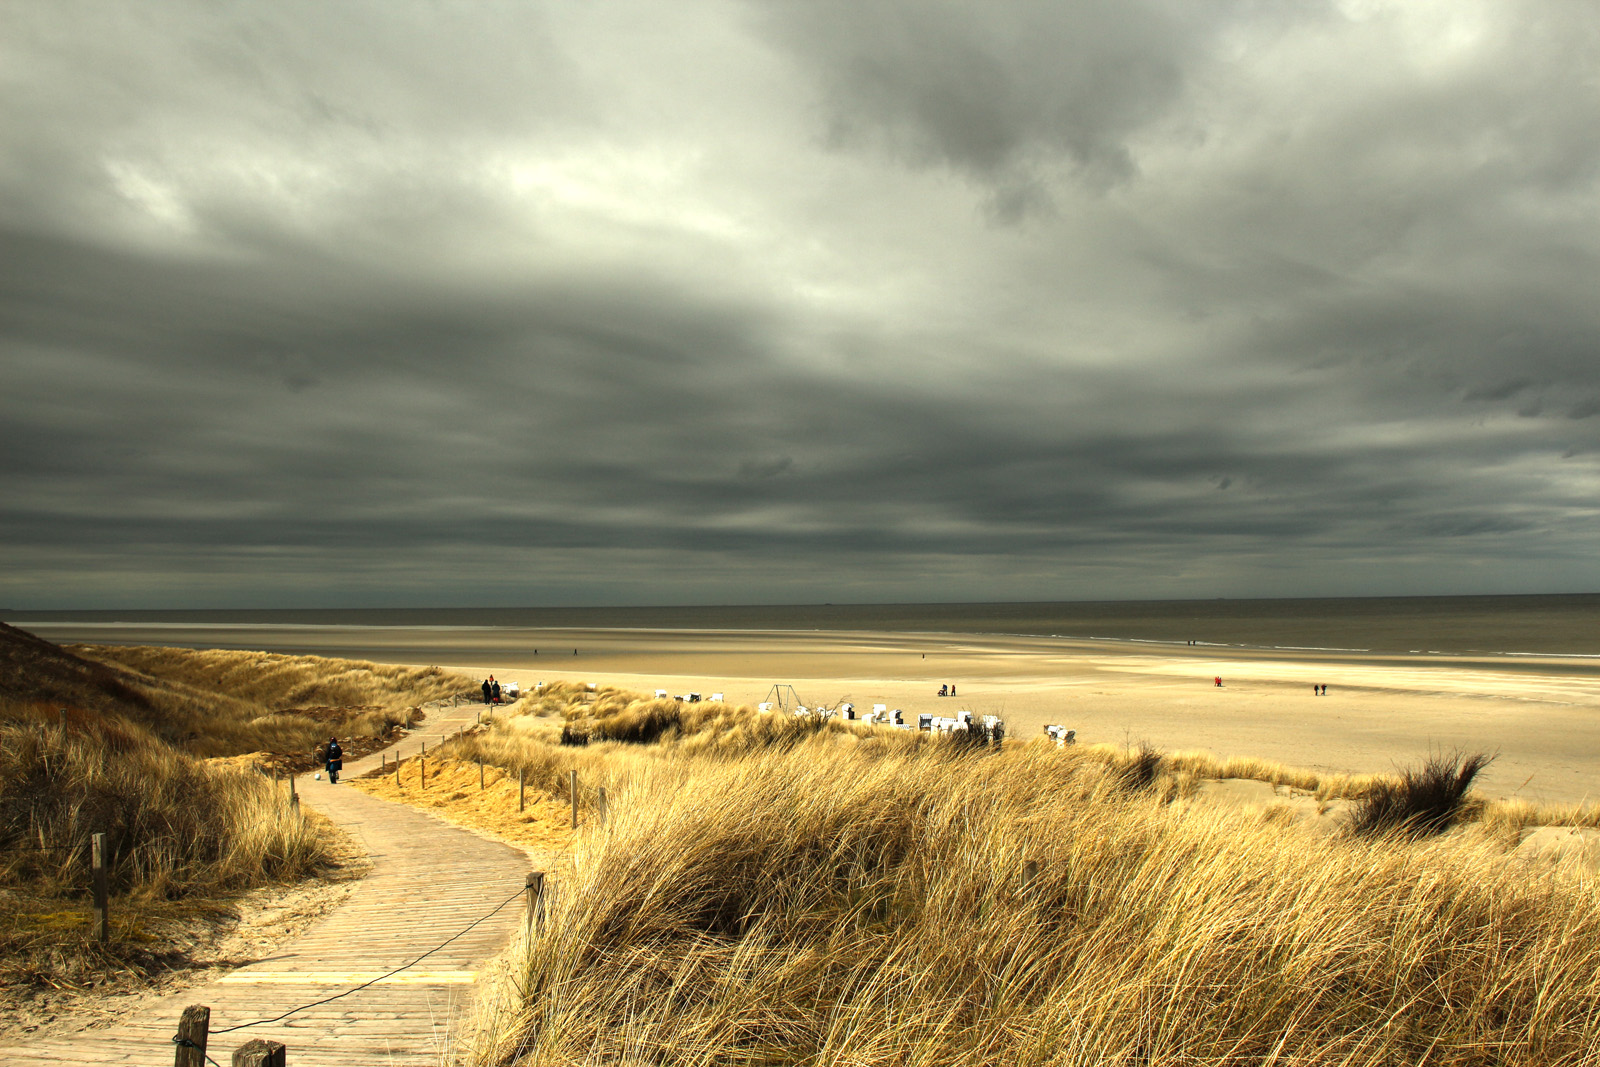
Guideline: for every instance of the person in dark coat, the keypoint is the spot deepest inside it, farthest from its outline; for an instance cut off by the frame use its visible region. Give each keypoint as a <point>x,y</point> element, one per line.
<point>494,689</point>
<point>486,690</point>
<point>335,758</point>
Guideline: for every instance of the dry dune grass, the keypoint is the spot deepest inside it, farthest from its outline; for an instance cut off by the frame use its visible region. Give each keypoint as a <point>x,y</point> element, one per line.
<point>612,715</point>
<point>177,830</point>
<point>769,891</point>
<point>223,702</point>
<point>867,903</point>
<point>184,834</point>
<point>271,679</point>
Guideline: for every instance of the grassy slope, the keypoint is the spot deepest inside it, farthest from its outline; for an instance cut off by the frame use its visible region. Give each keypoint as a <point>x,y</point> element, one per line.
<point>772,892</point>
<point>183,833</point>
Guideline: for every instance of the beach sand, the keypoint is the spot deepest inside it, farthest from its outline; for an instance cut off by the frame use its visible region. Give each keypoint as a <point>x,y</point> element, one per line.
<point>1540,715</point>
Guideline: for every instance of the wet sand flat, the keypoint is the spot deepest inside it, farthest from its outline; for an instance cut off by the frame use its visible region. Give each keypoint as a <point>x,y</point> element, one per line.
<point>1540,714</point>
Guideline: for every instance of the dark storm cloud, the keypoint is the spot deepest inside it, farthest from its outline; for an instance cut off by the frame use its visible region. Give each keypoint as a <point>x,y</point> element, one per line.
<point>1000,96</point>
<point>345,303</point>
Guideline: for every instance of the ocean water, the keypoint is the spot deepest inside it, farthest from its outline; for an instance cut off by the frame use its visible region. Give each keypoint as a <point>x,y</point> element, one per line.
<point>1565,625</point>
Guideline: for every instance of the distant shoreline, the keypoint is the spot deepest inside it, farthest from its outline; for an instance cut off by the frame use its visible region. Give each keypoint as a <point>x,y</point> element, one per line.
<point>1556,624</point>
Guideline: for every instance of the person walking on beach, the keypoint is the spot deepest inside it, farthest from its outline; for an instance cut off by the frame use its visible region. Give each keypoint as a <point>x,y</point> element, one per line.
<point>486,690</point>
<point>494,689</point>
<point>335,760</point>
<point>1219,681</point>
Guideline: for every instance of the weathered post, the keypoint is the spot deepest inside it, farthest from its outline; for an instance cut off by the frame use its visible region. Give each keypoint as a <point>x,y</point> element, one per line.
<point>478,718</point>
<point>63,724</point>
<point>422,772</point>
<point>603,807</point>
<point>397,770</point>
<point>522,802</point>
<point>194,1028</point>
<point>574,781</point>
<point>294,797</point>
<point>480,776</point>
<point>259,1053</point>
<point>534,885</point>
<point>102,899</point>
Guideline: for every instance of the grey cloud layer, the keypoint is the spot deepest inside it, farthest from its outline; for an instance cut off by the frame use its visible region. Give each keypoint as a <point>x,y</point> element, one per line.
<point>376,304</point>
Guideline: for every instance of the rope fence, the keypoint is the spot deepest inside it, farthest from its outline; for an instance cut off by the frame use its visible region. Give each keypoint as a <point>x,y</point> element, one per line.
<point>194,1027</point>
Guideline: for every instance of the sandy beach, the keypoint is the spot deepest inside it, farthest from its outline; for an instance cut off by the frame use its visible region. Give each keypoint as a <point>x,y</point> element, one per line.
<point>1539,714</point>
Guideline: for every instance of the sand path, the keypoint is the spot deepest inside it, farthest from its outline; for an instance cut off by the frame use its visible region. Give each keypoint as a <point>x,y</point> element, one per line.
<point>429,880</point>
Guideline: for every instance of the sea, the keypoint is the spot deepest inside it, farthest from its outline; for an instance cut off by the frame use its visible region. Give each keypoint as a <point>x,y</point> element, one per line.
<point>1566,625</point>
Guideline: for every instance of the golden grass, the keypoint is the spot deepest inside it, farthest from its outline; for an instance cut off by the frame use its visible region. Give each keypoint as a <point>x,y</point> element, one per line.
<point>223,702</point>
<point>177,829</point>
<point>775,891</point>
<point>172,822</point>
<point>866,903</point>
<point>184,834</point>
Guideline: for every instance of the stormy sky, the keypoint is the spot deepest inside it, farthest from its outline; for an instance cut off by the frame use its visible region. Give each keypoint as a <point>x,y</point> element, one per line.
<point>320,303</point>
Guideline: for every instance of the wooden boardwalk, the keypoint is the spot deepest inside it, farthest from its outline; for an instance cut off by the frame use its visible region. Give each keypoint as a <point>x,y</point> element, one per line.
<point>429,881</point>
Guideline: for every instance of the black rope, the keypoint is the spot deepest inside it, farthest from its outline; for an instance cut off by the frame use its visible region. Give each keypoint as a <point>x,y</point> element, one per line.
<point>181,1042</point>
<point>381,977</point>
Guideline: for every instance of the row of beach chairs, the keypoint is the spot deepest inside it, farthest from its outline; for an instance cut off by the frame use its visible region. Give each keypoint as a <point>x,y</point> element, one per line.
<point>687,698</point>
<point>881,714</point>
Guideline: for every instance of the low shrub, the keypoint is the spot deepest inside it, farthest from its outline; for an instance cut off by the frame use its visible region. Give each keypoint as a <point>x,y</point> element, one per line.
<point>1424,800</point>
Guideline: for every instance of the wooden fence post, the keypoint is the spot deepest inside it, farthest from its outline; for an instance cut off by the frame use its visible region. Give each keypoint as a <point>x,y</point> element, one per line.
<point>63,724</point>
<point>102,900</point>
<point>603,807</point>
<point>534,885</point>
<point>194,1028</point>
<point>422,772</point>
<point>522,802</point>
<point>480,776</point>
<point>259,1053</point>
<point>574,800</point>
<point>397,770</point>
